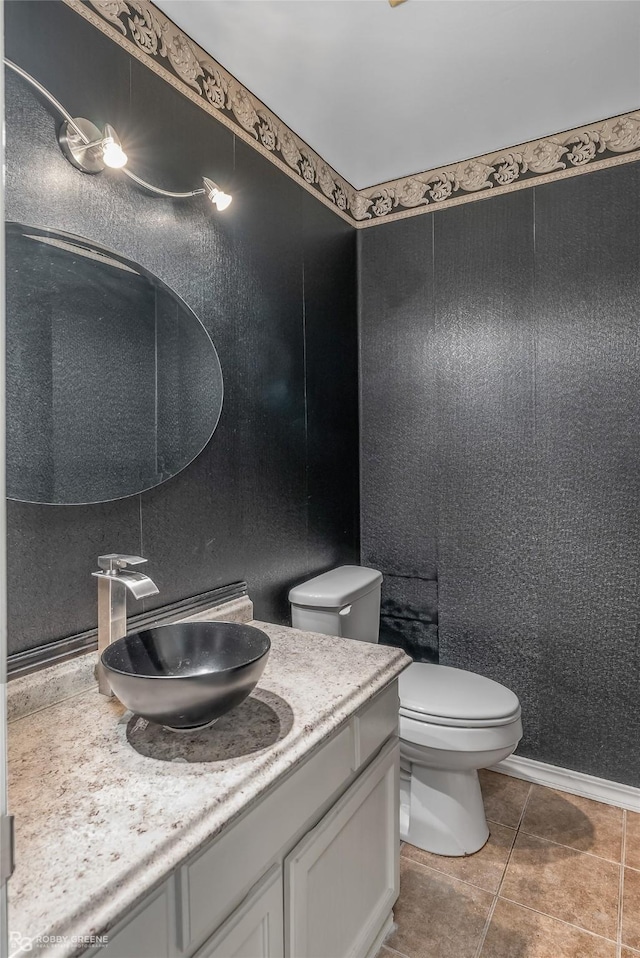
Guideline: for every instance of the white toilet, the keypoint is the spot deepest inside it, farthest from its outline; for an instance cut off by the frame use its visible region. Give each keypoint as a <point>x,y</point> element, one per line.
<point>452,722</point>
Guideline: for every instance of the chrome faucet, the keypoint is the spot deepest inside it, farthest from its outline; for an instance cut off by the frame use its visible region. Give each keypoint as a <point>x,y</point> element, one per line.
<point>114,578</point>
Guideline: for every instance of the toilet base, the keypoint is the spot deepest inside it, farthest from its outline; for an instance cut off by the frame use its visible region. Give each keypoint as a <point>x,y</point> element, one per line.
<point>441,811</point>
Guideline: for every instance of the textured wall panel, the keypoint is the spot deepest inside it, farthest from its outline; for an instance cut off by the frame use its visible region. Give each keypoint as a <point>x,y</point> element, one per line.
<point>241,509</point>
<point>397,417</point>
<point>485,427</point>
<point>588,423</point>
<point>529,410</point>
<point>398,429</point>
<point>331,383</point>
<point>271,423</point>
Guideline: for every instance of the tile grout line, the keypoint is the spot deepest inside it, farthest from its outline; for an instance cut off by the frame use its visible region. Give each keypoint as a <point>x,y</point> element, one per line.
<point>572,848</point>
<point>483,934</point>
<point>623,855</point>
<point>515,839</point>
<point>518,827</point>
<point>524,809</point>
<point>437,871</point>
<point>485,930</point>
<point>561,921</point>
<point>560,844</point>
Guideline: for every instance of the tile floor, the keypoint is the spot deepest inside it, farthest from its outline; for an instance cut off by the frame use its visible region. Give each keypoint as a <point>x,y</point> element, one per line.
<point>558,878</point>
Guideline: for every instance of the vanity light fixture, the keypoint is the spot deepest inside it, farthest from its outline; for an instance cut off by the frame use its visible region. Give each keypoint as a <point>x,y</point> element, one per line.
<point>90,149</point>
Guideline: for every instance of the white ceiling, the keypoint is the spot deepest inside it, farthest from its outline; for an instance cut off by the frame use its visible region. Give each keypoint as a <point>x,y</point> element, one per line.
<point>383,92</point>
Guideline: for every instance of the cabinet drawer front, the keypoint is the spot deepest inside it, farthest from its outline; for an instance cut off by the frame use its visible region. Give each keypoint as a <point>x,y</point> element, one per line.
<point>148,933</point>
<point>218,877</point>
<point>341,880</point>
<point>255,929</point>
<point>375,723</point>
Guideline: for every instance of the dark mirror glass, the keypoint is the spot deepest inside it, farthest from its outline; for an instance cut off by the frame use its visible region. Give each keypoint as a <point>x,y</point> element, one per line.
<point>113,383</point>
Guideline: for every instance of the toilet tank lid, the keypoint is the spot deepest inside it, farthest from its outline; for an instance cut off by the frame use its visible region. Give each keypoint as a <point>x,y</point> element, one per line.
<point>335,588</point>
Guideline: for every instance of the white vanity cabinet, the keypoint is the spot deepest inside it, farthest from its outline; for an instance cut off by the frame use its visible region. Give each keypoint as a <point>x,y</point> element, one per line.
<point>310,870</point>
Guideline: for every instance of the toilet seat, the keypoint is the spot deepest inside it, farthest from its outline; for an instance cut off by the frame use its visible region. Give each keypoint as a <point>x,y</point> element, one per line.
<point>455,698</point>
<point>458,738</point>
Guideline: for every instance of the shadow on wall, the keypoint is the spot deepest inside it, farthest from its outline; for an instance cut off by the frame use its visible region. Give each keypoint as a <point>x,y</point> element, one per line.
<point>409,616</point>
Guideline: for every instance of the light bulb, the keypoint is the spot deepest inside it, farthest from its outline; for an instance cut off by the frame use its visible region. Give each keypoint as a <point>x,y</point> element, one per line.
<point>112,153</point>
<point>222,200</point>
<point>215,194</point>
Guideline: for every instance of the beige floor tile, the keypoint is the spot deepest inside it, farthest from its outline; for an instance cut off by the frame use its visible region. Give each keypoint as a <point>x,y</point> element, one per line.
<point>387,953</point>
<point>517,932</point>
<point>564,883</point>
<point>629,952</point>
<point>574,821</point>
<point>437,916</point>
<point>631,909</point>
<point>632,855</point>
<point>504,797</point>
<point>484,869</point>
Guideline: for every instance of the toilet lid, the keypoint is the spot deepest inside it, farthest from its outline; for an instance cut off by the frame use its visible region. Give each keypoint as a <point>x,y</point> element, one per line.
<point>443,695</point>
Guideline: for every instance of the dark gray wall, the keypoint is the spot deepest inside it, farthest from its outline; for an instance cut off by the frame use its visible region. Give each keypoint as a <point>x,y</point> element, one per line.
<point>500,432</point>
<point>274,496</point>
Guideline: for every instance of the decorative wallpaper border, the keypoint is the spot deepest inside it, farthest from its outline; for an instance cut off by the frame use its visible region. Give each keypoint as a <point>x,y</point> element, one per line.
<point>146,33</point>
<point>585,149</point>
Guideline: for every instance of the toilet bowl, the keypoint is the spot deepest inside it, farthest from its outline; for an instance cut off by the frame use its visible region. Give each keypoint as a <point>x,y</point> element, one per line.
<point>452,722</point>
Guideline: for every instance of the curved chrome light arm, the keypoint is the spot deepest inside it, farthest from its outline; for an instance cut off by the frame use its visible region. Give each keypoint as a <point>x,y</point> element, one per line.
<point>48,96</point>
<point>81,155</point>
<point>158,190</point>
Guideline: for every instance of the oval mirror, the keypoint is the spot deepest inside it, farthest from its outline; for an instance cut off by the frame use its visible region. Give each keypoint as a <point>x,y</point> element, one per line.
<point>113,383</point>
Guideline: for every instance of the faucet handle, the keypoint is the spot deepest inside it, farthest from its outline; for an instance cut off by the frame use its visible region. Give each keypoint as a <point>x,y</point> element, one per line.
<point>114,562</point>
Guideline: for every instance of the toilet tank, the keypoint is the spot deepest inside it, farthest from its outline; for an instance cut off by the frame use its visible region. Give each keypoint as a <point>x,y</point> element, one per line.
<point>344,601</point>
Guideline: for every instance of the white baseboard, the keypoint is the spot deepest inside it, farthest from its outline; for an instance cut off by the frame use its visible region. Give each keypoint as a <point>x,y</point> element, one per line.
<point>566,780</point>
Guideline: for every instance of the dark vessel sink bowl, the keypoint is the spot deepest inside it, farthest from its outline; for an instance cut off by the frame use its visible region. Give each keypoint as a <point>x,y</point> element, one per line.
<point>186,676</point>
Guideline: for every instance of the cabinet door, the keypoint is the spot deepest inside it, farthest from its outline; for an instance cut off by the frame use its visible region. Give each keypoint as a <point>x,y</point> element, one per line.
<point>148,932</point>
<point>342,879</point>
<point>255,929</point>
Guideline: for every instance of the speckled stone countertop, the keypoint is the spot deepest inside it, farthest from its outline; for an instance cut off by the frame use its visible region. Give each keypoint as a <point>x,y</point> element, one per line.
<point>106,804</point>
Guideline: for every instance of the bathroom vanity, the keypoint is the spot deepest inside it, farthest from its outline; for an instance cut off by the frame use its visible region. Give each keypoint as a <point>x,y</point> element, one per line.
<point>273,833</point>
